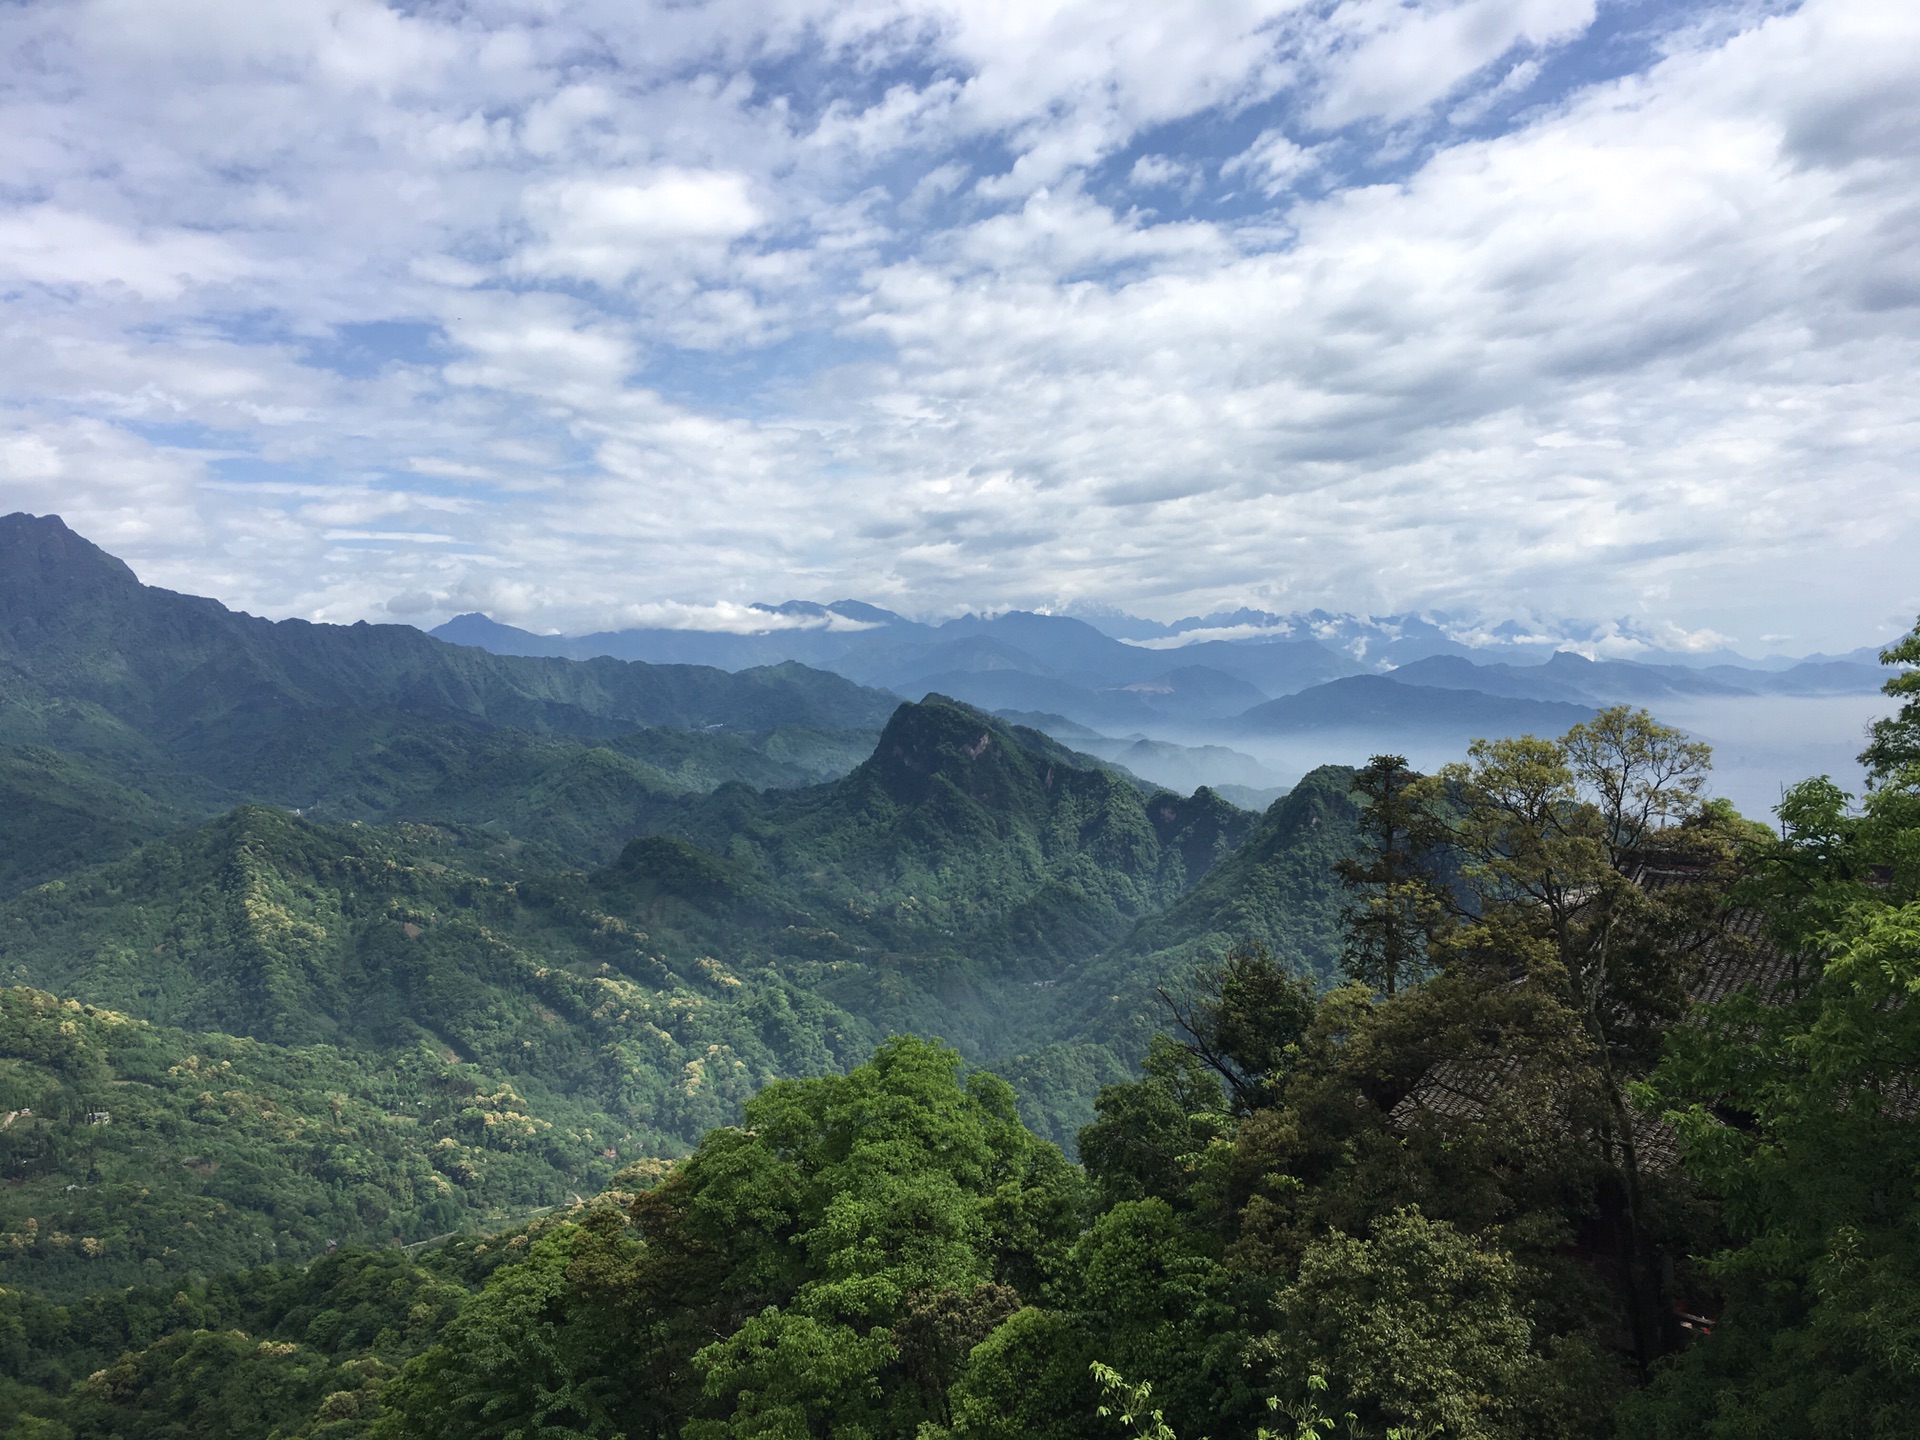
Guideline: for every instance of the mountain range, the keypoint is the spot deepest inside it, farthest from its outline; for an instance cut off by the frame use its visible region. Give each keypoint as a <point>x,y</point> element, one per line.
<point>1184,703</point>
<point>359,934</point>
<point>484,928</point>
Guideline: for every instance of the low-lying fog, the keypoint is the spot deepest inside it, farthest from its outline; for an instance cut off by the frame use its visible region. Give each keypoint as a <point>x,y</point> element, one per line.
<point>1761,744</point>
<point>1764,744</point>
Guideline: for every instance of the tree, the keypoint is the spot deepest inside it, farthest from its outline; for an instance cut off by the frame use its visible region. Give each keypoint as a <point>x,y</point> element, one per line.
<point>824,1266</point>
<point>1395,904</point>
<point>1150,1136</point>
<point>510,1363</point>
<point>1894,746</point>
<point>1243,1019</point>
<point>1550,834</point>
<point>1419,1328</point>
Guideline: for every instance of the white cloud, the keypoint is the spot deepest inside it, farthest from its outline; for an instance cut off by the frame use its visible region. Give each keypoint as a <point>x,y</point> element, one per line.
<point>1163,172</point>
<point>46,245</point>
<point>841,297</point>
<point>1273,162</point>
<point>1392,60</point>
<point>728,617</point>
<point>606,228</point>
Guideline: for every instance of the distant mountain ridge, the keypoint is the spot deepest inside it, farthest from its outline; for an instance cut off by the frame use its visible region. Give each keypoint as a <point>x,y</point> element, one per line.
<point>1386,709</point>
<point>1183,701</point>
<point>73,616</point>
<point>1361,643</point>
<point>195,706</point>
<point>1017,660</point>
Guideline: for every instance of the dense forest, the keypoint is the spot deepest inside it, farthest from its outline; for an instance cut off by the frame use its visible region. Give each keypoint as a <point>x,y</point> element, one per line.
<point>501,1047</point>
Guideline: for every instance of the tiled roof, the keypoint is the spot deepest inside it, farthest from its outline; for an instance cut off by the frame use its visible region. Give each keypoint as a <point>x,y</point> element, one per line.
<point>1737,956</point>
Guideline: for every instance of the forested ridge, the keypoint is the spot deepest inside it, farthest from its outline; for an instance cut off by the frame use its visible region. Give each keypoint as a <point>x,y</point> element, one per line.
<point>561,1070</point>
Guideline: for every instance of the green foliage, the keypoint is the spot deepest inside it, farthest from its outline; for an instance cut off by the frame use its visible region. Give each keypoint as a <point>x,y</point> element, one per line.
<point>381,940</point>
<point>1128,1404</point>
<point>1893,748</point>
<point>1244,1020</point>
<point>1151,1137</point>
<point>281,1350</point>
<point>59,812</point>
<point>1028,1380</point>
<point>1817,1167</point>
<point>1396,903</point>
<point>136,1153</point>
<point>1417,1328</point>
<point>848,1246</point>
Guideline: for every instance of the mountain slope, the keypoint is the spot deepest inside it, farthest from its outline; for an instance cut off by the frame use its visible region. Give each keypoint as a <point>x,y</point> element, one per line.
<point>966,835</point>
<point>923,892</point>
<point>386,940</point>
<point>139,1153</point>
<point>1277,888</point>
<point>59,812</point>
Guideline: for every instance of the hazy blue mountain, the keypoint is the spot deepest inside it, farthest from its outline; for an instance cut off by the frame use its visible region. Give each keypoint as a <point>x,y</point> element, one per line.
<point>486,634</point>
<point>1385,707</point>
<point>1195,696</point>
<point>1068,732</point>
<point>902,665</point>
<point>1197,692</point>
<point>841,629</point>
<point>1274,666</point>
<point>1568,677</point>
<point>1186,767</point>
<point>1099,647</point>
<point>1241,778</point>
<point>907,657</point>
<point>1809,677</point>
<point>1064,645</point>
<point>1571,677</point>
<point>1515,682</point>
<point>1371,641</point>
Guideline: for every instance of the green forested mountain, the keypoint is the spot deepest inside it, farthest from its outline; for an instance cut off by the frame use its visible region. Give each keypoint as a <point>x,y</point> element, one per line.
<point>968,835</point>
<point>928,890</point>
<point>60,811</point>
<point>612,1019</point>
<point>1503,1202</point>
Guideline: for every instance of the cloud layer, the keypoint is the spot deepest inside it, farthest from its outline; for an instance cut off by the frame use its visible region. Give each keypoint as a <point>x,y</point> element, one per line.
<point>1534,307</point>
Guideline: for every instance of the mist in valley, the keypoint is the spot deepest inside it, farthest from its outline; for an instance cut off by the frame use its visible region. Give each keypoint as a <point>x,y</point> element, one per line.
<point>1761,745</point>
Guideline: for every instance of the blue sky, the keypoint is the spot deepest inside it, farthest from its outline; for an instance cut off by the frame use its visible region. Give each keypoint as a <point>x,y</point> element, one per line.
<point>590,314</point>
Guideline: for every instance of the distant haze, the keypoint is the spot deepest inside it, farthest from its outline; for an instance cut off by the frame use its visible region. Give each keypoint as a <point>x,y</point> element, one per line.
<point>1249,702</point>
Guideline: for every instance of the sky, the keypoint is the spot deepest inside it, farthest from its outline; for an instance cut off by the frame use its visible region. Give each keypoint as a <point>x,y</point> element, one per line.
<point>591,313</point>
